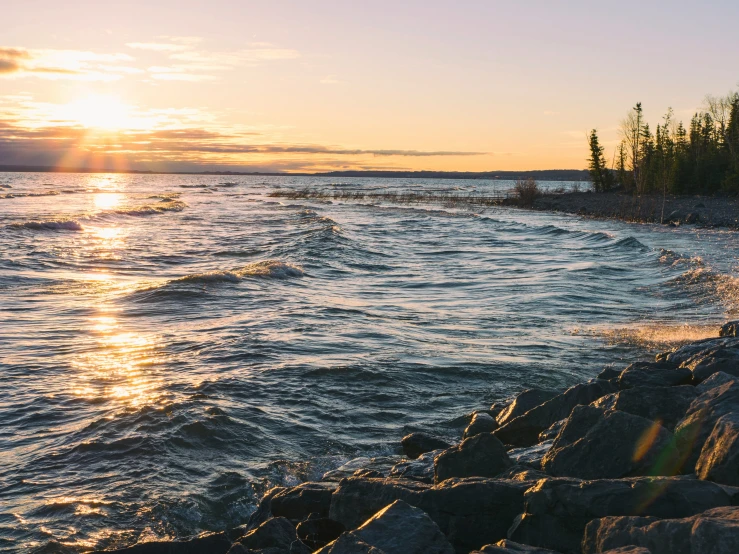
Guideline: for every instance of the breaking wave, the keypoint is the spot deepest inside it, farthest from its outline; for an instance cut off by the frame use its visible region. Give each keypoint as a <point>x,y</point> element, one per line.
<point>167,205</point>
<point>51,225</point>
<point>272,269</point>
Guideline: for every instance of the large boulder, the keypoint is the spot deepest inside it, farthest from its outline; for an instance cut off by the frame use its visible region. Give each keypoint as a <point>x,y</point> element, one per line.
<point>714,531</point>
<point>693,430</point>
<point>316,532</point>
<point>349,543</point>
<point>530,455</point>
<point>528,399</point>
<point>651,374</point>
<point>471,512</point>
<point>557,509</point>
<point>664,404</point>
<point>277,533</point>
<point>706,357</point>
<point>719,458</point>
<point>524,430</point>
<point>595,443</point>
<point>716,380</point>
<point>730,329</point>
<point>297,503</point>
<point>404,529</point>
<point>416,444</point>
<point>482,422</point>
<point>510,547</point>
<point>479,456</point>
<point>420,469</point>
<point>551,432</point>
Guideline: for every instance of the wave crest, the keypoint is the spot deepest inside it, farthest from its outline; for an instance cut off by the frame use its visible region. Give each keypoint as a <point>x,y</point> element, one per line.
<point>273,269</point>
<point>50,225</point>
<point>153,209</point>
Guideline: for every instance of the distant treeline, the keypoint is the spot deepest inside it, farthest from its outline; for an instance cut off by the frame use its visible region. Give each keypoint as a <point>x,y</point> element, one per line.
<point>700,159</point>
<point>541,175</point>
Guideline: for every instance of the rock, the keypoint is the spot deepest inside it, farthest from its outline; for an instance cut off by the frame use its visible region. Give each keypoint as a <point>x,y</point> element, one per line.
<point>420,469</point>
<point>509,547</point>
<point>370,473</point>
<point>403,529</point>
<point>684,354</point>
<point>699,205</point>
<point>692,218</point>
<point>714,531</point>
<point>650,374</point>
<point>381,465</point>
<point>693,430</point>
<point>609,373</point>
<point>706,357</point>
<point>471,512</point>
<point>628,550</point>
<point>525,401</point>
<point>416,444</point>
<point>297,503</point>
<point>522,473</point>
<point>674,217</point>
<point>479,456</point>
<point>557,510</point>
<point>729,329</point>
<point>552,431</point>
<point>276,533</point>
<point>716,380</point>
<point>482,422</point>
<point>317,532</point>
<point>497,408</point>
<point>264,509</point>
<point>719,458</point>
<point>595,443</point>
<point>524,430</point>
<point>349,543</point>
<point>530,455</point>
<point>212,543</point>
<point>664,404</point>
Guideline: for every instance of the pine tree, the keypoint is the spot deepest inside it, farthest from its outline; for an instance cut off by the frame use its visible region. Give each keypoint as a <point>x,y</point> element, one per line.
<point>599,173</point>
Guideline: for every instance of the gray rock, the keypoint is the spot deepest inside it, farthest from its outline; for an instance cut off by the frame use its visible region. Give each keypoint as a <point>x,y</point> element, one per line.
<point>557,510</point>
<point>649,374</point>
<point>715,531</point>
<point>667,405</point>
<point>276,533</point>
<point>716,380</point>
<point>524,430</point>
<point>693,430</point>
<point>719,458</point>
<point>380,464</point>
<point>264,509</point>
<point>416,444</point>
<point>349,543</point>
<point>497,408</point>
<point>212,543</point>
<point>552,431</point>
<point>420,469</point>
<point>471,512</point>
<point>297,503</point>
<point>692,218</point>
<point>525,401</point>
<point>404,529</point>
<point>317,532</point>
<point>729,329</point>
<point>479,456</point>
<point>595,443</point>
<point>706,357</point>
<point>628,550</point>
<point>482,422</point>
<point>523,473</point>
<point>530,455</point>
<point>509,547</point>
<point>609,373</point>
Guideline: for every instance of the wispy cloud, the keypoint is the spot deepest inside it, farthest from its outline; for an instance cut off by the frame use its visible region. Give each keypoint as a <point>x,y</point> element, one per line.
<point>158,46</point>
<point>63,64</point>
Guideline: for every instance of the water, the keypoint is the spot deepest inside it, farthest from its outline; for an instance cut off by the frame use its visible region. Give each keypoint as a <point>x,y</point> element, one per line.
<point>170,346</point>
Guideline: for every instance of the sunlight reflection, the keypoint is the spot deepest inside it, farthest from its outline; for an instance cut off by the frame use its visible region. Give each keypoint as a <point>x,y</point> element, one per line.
<point>107,200</point>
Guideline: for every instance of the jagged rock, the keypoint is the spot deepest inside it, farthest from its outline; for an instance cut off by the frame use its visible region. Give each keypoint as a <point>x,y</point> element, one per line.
<point>557,510</point>
<point>277,533</point>
<point>497,408</point>
<point>316,532</point>
<point>530,455</point>
<point>528,399</point>
<point>264,509</point>
<point>416,444</point>
<point>403,529</point>
<point>522,473</point>
<point>212,543</point>
<point>552,431</point>
<point>368,473</point>
<point>479,456</point>
<point>719,458</point>
<point>471,512</point>
<point>524,430</point>
<point>420,469</point>
<point>609,373</point>
<point>509,547</point>
<point>715,531</point>
<point>706,357</point>
<point>482,422</point>
<point>349,543</point>
<point>716,380</point>
<point>595,444</point>
<point>664,404</point>
<point>651,374</point>
<point>297,503</point>
<point>729,329</point>
<point>693,430</point>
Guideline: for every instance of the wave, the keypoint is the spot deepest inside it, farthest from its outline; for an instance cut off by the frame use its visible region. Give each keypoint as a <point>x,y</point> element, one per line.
<point>50,225</point>
<point>166,205</point>
<point>273,269</point>
<point>712,285</point>
<point>672,258</point>
<point>29,194</point>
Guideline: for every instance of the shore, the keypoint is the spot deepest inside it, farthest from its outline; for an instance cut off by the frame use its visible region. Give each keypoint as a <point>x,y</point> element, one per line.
<point>705,211</point>
<point>639,460</point>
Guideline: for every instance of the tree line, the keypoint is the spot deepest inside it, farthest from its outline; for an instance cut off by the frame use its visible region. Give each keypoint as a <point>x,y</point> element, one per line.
<point>700,159</point>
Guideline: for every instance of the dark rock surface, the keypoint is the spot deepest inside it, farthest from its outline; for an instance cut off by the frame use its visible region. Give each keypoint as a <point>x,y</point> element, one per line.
<point>530,455</point>
<point>479,456</point>
<point>706,357</point>
<point>506,546</point>
<point>719,458</point>
<point>277,533</point>
<point>552,431</point>
<point>716,380</point>
<point>416,444</point>
<point>648,374</point>
<point>420,469</point>
<point>316,532</point>
<point>349,543</point>
<point>212,543</point>
<point>715,531</point>
<point>528,399</point>
<point>297,503</point>
<point>730,329</point>
<point>482,422</point>
<point>667,405</point>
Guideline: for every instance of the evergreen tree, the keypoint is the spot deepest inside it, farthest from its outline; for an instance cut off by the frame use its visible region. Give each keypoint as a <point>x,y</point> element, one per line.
<point>599,173</point>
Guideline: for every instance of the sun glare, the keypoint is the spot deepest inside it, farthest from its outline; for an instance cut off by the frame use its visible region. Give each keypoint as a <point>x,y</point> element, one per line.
<point>100,112</point>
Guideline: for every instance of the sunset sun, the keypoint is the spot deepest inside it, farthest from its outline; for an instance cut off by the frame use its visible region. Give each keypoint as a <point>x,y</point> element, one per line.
<point>100,112</point>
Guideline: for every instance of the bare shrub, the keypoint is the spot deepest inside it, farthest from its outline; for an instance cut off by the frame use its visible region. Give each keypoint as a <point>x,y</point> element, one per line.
<point>526,191</point>
<point>576,187</point>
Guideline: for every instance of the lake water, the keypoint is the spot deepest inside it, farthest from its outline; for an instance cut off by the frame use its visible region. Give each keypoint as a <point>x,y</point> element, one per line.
<point>170,346</point>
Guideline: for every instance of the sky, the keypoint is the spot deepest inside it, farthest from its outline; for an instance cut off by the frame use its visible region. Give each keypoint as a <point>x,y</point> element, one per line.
<point>478,85</point>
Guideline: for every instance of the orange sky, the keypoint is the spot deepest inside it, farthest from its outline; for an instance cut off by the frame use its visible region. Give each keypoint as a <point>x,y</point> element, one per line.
<point>312,86</point>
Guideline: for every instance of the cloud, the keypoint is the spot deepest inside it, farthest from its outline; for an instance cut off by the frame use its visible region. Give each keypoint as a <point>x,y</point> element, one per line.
<point>158,46</point>
<point>175,76</point>
<point>62,64</point>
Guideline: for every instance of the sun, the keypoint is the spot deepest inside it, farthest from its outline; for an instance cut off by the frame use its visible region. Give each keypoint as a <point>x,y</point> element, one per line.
<point>100,112</point>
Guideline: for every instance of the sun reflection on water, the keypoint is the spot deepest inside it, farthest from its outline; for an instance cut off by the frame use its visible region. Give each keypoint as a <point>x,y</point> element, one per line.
<point>107,200</point>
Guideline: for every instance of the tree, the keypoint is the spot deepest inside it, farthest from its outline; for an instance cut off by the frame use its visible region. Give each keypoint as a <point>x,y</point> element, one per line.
<point>631,132</point>
<point>599,173</point>
<point>623,176</point>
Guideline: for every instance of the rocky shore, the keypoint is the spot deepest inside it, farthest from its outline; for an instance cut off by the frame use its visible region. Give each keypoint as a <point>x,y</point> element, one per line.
<point>639,460</point>
<point>677,210</point>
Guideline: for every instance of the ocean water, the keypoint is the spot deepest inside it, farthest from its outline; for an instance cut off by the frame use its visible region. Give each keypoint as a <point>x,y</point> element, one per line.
<point>171,346</point>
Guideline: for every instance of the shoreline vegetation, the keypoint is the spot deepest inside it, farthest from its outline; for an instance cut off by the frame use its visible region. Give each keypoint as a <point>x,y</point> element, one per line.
<point>642,459</point>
